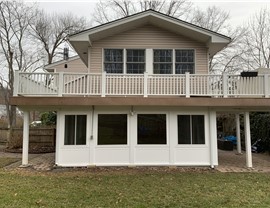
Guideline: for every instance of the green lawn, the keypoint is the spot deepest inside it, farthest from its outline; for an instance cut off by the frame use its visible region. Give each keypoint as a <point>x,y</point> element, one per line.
<point>132,188</point>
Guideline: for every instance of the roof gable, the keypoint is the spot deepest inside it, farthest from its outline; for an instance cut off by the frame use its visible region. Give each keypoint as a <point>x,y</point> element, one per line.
<point>82,40</point>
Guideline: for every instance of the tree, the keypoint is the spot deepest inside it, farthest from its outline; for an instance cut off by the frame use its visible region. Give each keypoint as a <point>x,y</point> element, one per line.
<point>108,10</point>
<point>256,41</point>
<point>230,58</point>
<point>51,30</point>
<point>16,49</point>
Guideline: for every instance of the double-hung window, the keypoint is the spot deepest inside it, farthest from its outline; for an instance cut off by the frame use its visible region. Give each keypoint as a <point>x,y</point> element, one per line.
<point>184,61</point>
<point>191,129</point>
<point>163,61</point>
<point>113,60</point>
<point>135,61</point>
<point>75,130</point>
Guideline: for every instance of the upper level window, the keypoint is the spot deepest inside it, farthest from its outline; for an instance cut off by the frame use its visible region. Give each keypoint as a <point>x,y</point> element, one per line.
<point>163,61</point>
<point>184,61</point>
<point>113,60</point>
<point>135,61</point>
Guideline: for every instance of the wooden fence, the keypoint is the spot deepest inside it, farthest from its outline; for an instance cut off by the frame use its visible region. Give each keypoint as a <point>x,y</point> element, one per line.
<point>38,137</point>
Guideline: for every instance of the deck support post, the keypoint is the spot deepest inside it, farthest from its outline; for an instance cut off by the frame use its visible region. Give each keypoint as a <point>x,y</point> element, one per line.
<point>238,134</point>
<point>248,141</point>
<point>25,138</point>
<point>213,138</point>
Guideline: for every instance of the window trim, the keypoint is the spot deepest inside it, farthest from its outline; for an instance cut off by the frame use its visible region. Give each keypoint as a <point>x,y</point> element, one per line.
<point>205,130</point>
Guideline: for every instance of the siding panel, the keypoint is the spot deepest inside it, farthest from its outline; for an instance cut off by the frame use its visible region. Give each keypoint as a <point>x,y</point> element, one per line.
<point>148,37</point>
<point>72,66</point>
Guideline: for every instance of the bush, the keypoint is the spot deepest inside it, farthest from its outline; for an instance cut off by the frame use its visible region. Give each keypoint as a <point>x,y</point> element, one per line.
<point>260,128</point>
<point>48,118</point>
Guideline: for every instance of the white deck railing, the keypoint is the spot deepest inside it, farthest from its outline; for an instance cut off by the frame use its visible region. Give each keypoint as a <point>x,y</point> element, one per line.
<point>75,84</point>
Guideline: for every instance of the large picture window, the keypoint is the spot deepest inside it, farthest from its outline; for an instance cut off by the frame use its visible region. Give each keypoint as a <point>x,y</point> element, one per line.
<point>184,61</point>
<point>75,130</point>
<point>112,129</point>
<point>191,129</point>
<point>113,60</point>
<point>135,61</point>
<point>152,129</point>
<point>163,61</point>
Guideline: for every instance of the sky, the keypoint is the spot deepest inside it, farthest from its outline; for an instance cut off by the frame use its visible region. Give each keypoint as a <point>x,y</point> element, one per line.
<point>240,10</point>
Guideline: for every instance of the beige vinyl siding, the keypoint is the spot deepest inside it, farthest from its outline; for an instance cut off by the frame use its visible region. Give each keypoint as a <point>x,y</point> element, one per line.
<point>149,36</point>
<point>75,65</point>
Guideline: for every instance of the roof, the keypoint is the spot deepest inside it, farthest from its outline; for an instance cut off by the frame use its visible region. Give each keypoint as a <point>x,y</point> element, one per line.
<point>82,40</point>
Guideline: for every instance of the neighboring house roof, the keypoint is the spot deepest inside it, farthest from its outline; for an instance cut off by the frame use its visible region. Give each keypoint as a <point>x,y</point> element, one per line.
<point>50,67</point>
<point>82,40</point>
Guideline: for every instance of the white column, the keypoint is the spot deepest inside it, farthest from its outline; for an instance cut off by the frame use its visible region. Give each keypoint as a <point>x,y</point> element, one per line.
<point>238,134</point>
<point>149,60</point>
<point>132,126</point>
<point>25,138</point>
<point>248,140</point>
<point>59,125</point>
<point>213,138</point>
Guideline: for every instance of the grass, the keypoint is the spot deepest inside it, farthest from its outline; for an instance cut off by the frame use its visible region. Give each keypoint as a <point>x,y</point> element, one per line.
<point>7,161</point>
<point>90,188</point>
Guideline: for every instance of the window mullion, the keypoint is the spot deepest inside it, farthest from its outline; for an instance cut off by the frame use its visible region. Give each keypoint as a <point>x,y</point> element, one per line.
<point>75,134</point>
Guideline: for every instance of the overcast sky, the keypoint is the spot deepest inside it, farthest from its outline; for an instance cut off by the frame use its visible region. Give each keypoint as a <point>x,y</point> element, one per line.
<point>240,10</point>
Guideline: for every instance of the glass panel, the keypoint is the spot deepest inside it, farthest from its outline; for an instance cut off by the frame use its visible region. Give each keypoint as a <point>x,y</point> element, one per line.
<point>163,55</point>
<point>135,61</point>
<point>162,68</point>
<point>69,130</point>
<point>162,61</point>
<point>81,130</point>
<point>113,60</point>
<point>113,55</point>
<point>135,68</point>
<point>183,68</point>
<point>135,55</point>
<point>198,129</point>
<point>112,129</point>
<point>113,68</point>
<point>152,129</point>
<point>184,61</point>
<point>184,136</point>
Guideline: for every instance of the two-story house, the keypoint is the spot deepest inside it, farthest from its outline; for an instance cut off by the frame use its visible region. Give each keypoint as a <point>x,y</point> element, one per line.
<point>139,93</point>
